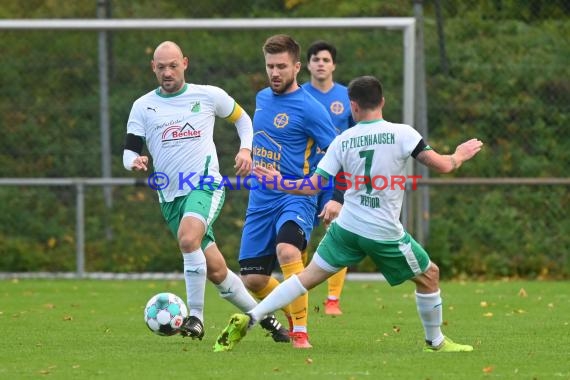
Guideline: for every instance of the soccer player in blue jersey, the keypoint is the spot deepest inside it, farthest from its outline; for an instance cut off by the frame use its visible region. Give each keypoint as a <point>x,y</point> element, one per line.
<point>321,63</point>
<point>368,224</point>
<point>288,126</point>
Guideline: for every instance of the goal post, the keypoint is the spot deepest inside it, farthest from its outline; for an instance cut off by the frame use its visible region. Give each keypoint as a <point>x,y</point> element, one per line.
<point>406,25</point>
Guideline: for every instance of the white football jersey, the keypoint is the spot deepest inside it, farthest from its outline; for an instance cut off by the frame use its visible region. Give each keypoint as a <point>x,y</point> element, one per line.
<point>178,130</point>
<point>378,150</point>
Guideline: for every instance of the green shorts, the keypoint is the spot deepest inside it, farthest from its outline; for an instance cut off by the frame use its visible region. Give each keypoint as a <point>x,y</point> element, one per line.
<point>204,202</point>
<point>398,260</point>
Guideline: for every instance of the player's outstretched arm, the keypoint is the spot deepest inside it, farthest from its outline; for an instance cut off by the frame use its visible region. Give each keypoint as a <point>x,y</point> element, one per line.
<point>446,163</point>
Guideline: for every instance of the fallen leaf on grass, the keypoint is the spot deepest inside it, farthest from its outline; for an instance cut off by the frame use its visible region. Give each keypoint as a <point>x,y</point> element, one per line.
<point>48,370</point>
<point>51,242</point>
<point>68,318</point>
<point>309,361</point>
<point>523,293</point>
<point>483,304</point>
<point>488,315</point>
<point>488,369</point>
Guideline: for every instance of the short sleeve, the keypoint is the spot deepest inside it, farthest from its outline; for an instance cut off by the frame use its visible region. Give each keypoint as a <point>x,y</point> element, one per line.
<point>223,103</point>
<point>136,122</point>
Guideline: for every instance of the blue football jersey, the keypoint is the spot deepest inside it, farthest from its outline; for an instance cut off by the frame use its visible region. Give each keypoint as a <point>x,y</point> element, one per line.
<point>336,103</point>
<point>287,128</point>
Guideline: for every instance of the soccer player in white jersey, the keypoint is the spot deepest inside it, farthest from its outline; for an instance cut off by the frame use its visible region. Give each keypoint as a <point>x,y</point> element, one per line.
<point>373,155</point>
<point>176,121</point>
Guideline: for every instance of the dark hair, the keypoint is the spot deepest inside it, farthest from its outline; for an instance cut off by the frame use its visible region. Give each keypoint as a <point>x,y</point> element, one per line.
<point>282,43</point>
<point>318,46</point>
<point>366,91</point>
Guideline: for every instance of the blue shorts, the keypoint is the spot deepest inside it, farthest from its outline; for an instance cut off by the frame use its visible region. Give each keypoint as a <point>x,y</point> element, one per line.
<point>262,224</point>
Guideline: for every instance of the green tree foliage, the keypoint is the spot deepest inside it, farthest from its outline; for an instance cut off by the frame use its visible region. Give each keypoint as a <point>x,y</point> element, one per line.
<point>507,84</point>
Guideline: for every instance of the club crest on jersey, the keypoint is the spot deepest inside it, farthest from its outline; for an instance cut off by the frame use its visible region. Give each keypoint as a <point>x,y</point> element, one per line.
<point>281,120</point>
<point>176,132</point>
<point>337,107</point>
<point>195,107</point>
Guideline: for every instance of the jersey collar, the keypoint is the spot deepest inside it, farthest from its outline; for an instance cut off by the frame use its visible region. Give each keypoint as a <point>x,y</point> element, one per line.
<point>162,95</point>
<point>370,121</point>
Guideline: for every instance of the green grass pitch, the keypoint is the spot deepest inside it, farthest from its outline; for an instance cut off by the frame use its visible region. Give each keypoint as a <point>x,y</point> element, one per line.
<point>86,329</point>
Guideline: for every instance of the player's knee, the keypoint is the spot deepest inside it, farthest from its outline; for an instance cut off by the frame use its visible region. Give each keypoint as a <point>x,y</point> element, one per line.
<point>433,273</point>
<point>287,253</point>
<point>430,278</point>
<point>188,243</point>
<point>255,282</point>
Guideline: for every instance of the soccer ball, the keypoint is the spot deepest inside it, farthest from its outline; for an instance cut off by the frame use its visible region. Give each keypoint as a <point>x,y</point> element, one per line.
<point>164,314</point>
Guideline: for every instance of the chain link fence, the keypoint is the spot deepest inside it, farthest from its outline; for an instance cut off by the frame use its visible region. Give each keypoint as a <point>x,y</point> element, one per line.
<point>494,70</point>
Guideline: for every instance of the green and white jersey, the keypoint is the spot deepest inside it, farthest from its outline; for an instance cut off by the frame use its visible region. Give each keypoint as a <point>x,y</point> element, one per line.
<point>373,156</point>
<point>178,130</point>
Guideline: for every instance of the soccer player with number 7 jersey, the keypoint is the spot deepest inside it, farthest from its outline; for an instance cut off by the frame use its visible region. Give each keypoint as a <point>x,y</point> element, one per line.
<point>368,223</point>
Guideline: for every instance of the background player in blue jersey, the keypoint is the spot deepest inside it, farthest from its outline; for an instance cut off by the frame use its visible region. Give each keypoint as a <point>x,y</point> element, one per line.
<point>288,126</point>
<point>321,63</point>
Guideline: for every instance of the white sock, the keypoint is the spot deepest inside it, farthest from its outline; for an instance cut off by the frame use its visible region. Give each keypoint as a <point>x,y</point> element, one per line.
<point>195,278</point>
<point>285,293</point>
<point>233,290</point>
<point>431,314</point>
